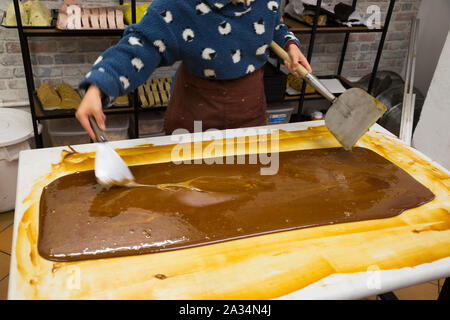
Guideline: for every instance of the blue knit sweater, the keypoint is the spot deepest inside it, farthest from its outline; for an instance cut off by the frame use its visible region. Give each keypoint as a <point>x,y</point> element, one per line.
<point>213,38</point>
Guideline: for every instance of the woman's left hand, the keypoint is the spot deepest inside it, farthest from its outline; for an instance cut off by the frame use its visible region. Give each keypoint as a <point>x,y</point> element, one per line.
<point>296,56</point>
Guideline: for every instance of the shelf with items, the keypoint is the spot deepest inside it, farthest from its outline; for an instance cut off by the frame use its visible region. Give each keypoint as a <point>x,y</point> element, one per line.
<point>53,13</point>
<point>70,113</point>
<point>25,32</point>
<point>54,30</point>
<point>314,29</point>
<point>347,84</point>
<point>45,32</point>
<point>310,96</point>
<point>302,28</point>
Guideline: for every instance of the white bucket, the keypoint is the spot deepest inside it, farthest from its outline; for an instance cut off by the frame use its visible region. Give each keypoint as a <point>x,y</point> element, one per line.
<point>16,128</point>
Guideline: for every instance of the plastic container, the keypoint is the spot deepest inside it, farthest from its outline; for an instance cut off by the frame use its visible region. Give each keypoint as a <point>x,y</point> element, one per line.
<point>117,127</point>
<point>16,128</point>
<point>63,132</point>
<point>316,115</point>
<point>151,123</point>
<point>278,115</point>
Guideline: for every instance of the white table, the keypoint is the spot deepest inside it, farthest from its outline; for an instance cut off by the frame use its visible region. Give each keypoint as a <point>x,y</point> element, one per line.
<point>35,163</point>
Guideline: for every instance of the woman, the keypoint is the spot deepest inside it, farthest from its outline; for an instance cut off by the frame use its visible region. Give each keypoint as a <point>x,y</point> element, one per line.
<point>223,46</point>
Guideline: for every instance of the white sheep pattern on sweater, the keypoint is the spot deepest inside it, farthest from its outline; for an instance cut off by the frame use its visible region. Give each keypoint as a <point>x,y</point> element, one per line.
<point>214,39</point>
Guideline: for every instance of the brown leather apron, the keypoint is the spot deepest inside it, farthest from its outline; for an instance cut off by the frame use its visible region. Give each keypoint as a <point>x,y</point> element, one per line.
<point>219,104</point>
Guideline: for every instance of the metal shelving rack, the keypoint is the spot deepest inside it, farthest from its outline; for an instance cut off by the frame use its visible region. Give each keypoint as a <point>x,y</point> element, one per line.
<point>36,112</point>
<point>301,28</point>
<point>135,109</point>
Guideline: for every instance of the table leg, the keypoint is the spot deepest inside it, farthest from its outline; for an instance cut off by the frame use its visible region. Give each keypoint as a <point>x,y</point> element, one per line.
<point>388,296</point>
<point>445,291</point>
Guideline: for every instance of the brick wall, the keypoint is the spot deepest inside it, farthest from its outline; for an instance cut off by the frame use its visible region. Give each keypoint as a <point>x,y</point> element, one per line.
<point>68,59</point>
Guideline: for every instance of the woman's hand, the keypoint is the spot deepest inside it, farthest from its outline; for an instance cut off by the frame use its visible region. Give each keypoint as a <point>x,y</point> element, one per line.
<point>296,56</point>
<point>91,105</point>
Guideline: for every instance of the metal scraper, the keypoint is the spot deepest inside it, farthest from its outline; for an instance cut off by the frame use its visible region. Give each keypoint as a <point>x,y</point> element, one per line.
<point>350,115</point>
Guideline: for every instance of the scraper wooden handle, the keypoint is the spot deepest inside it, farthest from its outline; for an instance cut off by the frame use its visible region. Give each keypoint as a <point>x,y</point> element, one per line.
<point>285,56</point>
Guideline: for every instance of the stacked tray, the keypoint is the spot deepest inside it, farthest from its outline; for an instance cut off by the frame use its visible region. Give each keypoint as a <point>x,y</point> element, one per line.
<point>155,92</point>
<point>75,17</point>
